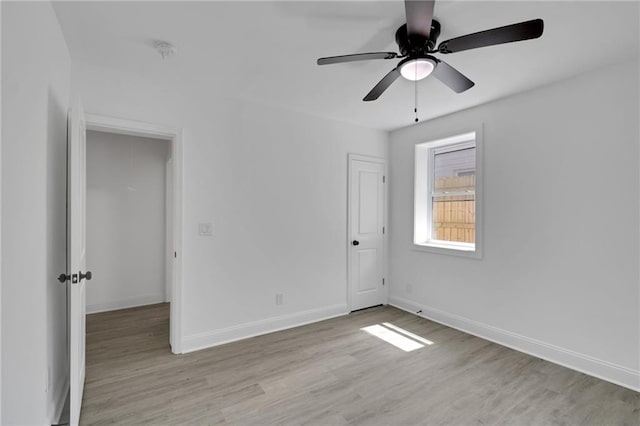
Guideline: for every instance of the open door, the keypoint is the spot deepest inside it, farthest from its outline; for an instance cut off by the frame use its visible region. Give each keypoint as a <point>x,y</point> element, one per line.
<point>76,201</point>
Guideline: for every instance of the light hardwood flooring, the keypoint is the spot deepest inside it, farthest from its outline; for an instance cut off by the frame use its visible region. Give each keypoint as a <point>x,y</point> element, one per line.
<point>333,373</point>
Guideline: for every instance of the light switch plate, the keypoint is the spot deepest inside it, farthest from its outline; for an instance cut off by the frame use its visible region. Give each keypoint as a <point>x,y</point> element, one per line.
<point>205,229</point>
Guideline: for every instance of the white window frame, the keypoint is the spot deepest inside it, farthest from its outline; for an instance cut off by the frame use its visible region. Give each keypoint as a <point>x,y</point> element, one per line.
<point>423,201</point>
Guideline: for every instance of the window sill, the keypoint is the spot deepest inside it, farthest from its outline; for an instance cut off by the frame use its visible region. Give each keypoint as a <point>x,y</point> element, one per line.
<point>449,249</point>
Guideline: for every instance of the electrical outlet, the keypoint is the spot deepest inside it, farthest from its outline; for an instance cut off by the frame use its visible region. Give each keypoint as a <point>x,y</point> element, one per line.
<point>278,298</point>
<point>205,229</point>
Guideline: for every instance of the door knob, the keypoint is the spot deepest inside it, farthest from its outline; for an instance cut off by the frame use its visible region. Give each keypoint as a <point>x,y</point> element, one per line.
<point>86,275</point>
<point>63,278</point>
<point>355,242</point>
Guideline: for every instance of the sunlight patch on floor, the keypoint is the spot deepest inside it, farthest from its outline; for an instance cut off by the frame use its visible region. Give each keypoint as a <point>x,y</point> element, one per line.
<point>408,333</point>
<point>393,337</point>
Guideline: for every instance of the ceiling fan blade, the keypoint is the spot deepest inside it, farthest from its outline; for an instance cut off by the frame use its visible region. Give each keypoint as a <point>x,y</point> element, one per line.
<point>451,77</point>
<point>382,85</point>
<point>507,34</point>
<point>356,57</point>
<point>419,17</point>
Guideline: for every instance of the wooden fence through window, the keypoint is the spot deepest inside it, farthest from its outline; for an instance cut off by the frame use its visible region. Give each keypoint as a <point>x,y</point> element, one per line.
<point>454,216</point>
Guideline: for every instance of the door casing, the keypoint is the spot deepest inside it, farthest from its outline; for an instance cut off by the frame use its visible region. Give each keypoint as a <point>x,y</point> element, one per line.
<point>107,124</point>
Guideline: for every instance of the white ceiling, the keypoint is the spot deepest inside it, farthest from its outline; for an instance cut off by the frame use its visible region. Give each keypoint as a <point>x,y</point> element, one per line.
<point>266,51</point>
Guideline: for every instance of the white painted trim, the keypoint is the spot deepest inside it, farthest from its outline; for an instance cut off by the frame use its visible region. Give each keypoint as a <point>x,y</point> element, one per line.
<point>122,126</point>
<point>176,332</point>
<point>422,186</point>
<point>244,331</point>
<point>168,238</point>
<point>385,238</point>
<point>592,366</point>
<point>132,302</point>
<point>56,404</point>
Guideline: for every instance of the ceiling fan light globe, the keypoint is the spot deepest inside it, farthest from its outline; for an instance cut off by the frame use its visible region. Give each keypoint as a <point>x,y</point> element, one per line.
<point>417,69</point>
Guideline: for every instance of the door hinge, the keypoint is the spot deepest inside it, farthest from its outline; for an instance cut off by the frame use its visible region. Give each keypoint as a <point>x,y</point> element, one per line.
<point>384,179</point>
<point>383,229</point>
<point>175,254</point>
<point>383,281</point>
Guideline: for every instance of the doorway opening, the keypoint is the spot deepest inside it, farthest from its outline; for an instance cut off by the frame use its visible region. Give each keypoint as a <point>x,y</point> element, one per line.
<point>134,227</point>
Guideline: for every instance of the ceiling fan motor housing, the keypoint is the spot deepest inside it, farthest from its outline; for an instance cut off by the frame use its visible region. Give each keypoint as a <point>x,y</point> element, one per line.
<point>417,46</point>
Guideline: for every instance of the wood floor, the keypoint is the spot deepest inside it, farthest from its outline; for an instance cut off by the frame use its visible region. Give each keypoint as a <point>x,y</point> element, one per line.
<point>333,373</point>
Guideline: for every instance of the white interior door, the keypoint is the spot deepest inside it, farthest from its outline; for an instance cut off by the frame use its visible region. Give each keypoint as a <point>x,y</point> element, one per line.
<point>169,230</point>
<point>77,256</point>
<point>366,229</point>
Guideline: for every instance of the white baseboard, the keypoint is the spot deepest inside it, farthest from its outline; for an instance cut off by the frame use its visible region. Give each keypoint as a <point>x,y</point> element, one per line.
<point>601,369</point>
<point>58,398</point>
<point>147,299</point>
<point>243,331</point>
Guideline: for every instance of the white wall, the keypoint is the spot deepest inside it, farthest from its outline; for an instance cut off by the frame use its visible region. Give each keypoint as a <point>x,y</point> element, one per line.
<point>274,184</point>
<point>59,68</point>
<point>35,97</point>
<point>125,220</point>
<point>559,277</point>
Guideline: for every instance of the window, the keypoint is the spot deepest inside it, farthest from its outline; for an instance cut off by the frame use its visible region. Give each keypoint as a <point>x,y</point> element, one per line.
<point>447,195</point>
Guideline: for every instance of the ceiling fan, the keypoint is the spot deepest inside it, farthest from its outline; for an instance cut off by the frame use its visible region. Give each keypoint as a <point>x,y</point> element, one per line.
<point>417,42</point>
